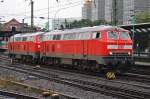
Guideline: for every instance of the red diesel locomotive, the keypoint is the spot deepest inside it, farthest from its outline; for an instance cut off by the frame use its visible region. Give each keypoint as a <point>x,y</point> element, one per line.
<point>94,48</point>
<point>25,46</point>
<point>90,48</point>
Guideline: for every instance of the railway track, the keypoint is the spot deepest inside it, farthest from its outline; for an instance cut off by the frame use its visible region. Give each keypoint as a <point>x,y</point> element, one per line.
<point>138,73</point>
<point>136,77</point>
<point>129,76</point>
<point>141,69</point>
<point>90,86</point>
<point>16,95</point>
<point>85,85</point>
<point>4,57</point>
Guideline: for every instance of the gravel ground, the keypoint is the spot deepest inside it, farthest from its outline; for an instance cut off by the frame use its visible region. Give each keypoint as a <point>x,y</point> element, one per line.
<point>60,88</point>
<point>69,90</point>
<point>5,97</point>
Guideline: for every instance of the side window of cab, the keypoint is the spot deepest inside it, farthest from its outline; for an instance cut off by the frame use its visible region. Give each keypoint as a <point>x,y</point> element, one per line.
<point>39,38</point>
<point>98,35</point>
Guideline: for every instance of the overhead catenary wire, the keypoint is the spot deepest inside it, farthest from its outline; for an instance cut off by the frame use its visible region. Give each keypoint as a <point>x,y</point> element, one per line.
<point>119,10</point>
<point>46,8</point>
<point>69,6</point>
<point>67,2</point>
<point>79,2</point>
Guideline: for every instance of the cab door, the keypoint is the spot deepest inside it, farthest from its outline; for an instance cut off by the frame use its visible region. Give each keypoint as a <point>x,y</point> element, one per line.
<point>44,48</point>
<point>85,47</point>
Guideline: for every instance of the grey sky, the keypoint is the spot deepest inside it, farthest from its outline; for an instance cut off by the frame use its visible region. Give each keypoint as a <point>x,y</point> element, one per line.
<point>20,9</point>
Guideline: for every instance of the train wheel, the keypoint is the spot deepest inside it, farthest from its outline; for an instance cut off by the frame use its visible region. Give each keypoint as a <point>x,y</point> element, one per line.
<point>11,61</point>
<point>43,60</point>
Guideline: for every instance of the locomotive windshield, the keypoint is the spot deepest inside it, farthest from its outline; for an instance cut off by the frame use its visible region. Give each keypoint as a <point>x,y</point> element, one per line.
<point>124,35</point>
<point>112,35</point>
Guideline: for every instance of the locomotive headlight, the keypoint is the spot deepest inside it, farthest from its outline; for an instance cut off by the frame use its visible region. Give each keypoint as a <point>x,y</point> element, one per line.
<point>129,53</point>
<point>39,46</point>
<point>110,53</point>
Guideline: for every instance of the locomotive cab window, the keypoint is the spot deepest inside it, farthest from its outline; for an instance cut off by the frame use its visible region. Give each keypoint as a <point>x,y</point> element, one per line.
<point>124,35</point>
<point>40,38</point>
<point>112,35</point>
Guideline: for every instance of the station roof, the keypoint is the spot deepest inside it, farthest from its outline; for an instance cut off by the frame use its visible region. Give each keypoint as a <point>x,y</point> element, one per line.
<point>138,28</point>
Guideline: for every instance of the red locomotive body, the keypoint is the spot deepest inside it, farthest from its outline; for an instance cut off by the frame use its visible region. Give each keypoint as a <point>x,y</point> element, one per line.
<point>25,46</point>
<point>88,48</point>
<point>92,48</point>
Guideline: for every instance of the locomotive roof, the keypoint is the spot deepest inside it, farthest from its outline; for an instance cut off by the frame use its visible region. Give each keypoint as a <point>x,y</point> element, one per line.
<point>85,29</point>
<point>77,30</point>
<point>28,34</point>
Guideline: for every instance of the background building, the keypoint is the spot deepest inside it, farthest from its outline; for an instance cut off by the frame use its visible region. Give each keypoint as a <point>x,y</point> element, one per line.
<point>12,23</point>
<point>15,26</point>
<point>104,10</point>
<point>87,10</point>
<point>98,10</point>
<point>108,10</point>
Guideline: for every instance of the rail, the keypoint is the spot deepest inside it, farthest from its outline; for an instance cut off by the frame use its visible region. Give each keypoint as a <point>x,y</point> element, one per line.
<point>142,54</point>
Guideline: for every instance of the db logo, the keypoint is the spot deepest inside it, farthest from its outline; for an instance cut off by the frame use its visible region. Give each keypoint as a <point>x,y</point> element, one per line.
<point>121,46</point>
<point>58,46</point>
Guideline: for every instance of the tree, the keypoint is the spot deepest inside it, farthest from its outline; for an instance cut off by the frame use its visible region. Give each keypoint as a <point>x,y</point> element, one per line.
<point>99,22</point>
<point>46,26</point>
<point>85,23</point>
<point>61,27</point>
<point>142,17</point>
